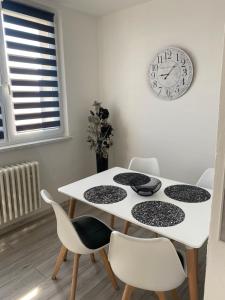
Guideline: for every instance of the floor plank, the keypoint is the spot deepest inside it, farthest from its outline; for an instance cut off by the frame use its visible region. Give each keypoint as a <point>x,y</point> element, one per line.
<point>27,257</point>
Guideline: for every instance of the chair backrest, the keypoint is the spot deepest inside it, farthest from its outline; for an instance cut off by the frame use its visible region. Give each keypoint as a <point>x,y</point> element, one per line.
<point>145,165</point>
<point>206,179</point>
<point>150,264</point>
<point>65,229</point>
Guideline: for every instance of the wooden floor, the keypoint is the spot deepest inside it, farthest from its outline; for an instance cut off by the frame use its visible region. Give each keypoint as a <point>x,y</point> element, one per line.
<point>27,257</point>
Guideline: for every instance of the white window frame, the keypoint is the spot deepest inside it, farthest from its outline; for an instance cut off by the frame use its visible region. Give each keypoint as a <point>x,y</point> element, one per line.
<point>11,137</point>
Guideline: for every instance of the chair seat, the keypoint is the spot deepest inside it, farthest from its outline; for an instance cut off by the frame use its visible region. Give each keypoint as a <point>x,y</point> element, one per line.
<point>180,255</point>
<point>92,232</point>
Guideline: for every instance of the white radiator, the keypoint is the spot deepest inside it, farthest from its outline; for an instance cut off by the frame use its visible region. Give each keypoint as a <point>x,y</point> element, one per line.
<point>19,190</point>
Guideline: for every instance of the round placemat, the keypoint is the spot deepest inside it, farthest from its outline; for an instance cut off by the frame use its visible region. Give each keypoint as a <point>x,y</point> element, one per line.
<point>105,194</point>
<point>158,213</point>
<point>187,193</point>
<point>131,178</point>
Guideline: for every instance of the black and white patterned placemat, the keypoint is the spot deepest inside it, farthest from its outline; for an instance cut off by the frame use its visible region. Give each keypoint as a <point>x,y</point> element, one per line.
<point>105,194</point>
<point>158,213</point>
<point>187,193</point>
<point>131,178</point>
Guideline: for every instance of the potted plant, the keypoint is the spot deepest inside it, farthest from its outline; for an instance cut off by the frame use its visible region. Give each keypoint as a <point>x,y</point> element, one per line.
<point>100,134</point>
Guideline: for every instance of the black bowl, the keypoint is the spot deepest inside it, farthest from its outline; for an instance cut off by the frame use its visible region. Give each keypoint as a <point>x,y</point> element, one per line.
<point>149,188</point>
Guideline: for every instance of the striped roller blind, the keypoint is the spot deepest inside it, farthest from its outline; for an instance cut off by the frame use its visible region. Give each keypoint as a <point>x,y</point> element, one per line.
<point>1,125</point>
<point>32,64</point>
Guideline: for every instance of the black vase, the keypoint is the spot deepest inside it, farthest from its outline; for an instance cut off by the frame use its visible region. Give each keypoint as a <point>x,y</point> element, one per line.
<point>102,163</point>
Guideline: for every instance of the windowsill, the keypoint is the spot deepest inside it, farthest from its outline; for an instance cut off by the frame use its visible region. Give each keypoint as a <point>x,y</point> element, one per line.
<point>33,144</point>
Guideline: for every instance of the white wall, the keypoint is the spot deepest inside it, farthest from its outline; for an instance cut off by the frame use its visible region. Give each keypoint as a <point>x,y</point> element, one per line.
<point>182,134</point>
<point>63,162</point>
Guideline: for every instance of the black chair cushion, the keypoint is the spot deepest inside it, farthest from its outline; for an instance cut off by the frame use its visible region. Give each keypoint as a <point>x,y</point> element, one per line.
<point>181,258</point>
<point>92,232</point>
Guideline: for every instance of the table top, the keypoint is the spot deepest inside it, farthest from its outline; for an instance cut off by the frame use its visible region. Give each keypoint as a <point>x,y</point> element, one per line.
<point>192,232</point>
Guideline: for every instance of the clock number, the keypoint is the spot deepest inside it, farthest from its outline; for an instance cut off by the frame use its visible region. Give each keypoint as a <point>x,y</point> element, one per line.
<point>183,61</point>
<point>160,90</point>
<point>155,68</point>
<point>177,90</point>
<point>160,59</point>
<point>185,72</point>
<point>153,74</point>
<point>177,57</point>
<point>154,84</point>
<point>183,81</point>
<point>168,93</point>
<point>168,54</point>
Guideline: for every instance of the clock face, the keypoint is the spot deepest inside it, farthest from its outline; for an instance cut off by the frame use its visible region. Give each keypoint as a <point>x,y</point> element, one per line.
<point>171,73</point>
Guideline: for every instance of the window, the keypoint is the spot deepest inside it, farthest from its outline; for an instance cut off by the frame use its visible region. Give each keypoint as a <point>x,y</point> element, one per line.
<point>1,126</point>
<point>30,92</point>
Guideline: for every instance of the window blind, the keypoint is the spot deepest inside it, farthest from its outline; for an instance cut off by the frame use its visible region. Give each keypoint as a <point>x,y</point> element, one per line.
<point>1,126</point>
<point>32,64</point>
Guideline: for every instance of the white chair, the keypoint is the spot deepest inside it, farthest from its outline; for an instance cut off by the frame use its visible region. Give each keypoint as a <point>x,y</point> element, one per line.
<point>82,235</point>
<point>206,179</point>
<point>145,165</point>
<point>149,264</point>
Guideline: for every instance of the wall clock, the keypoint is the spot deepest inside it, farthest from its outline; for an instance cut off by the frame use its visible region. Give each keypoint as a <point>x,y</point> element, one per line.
<point>171,73</point>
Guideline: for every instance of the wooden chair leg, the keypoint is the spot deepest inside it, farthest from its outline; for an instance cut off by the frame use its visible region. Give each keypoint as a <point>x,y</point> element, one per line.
<point>93,258</point>
<point>112,221</point>
<point>161,295</point>
<point>126,227</point>
<point>175,295</point>
<point>127,292</point>
<point>108,268</point>
<point>74,276</point>
<point>65,255</point>
<point>59,262</point>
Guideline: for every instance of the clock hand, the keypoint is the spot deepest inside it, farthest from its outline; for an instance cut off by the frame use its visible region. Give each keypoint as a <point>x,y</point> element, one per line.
<point>167,74</point>
<point>170,71</point>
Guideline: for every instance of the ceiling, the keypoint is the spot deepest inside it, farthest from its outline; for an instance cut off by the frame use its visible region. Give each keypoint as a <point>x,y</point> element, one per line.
<point>100,7</point>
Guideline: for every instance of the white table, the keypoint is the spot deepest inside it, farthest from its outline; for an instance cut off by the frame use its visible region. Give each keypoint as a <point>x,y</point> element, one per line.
<point>192,232</point>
